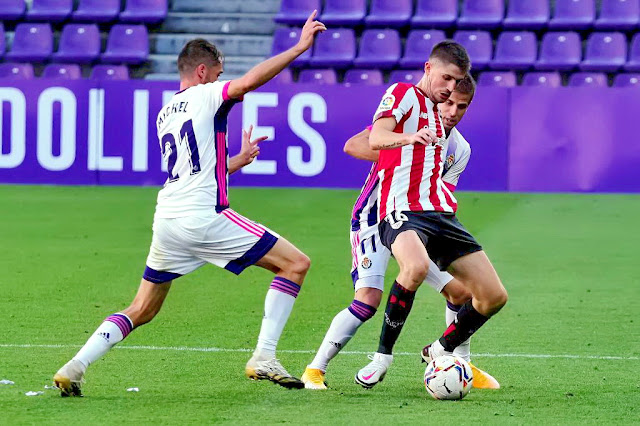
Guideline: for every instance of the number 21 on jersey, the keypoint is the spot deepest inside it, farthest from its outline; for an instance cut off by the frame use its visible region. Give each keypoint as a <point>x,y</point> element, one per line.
<point>169,145</point>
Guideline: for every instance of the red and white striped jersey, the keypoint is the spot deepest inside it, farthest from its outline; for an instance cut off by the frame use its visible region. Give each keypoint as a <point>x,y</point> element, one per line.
<point>365,209</point>
<point>411,175</point>
<point>192,130</point>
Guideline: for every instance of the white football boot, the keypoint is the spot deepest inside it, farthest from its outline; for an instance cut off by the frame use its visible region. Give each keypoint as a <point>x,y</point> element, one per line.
<point>375,371</point>
<point>69,378</point>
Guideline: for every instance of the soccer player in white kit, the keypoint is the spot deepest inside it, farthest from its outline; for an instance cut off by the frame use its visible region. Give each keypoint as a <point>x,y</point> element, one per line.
<point>370,257</point>
<point>194,225</point>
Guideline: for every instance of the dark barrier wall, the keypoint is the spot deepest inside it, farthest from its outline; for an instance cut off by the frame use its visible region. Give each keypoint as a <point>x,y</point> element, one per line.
<point>523,139</point>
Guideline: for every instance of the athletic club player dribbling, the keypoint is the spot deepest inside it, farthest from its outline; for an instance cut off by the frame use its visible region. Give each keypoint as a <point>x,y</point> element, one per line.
<point>370,257</point>
<point>417,210</point>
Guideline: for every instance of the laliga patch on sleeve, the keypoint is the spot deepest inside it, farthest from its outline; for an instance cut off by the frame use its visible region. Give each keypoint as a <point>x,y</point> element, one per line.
<point>387,103</point>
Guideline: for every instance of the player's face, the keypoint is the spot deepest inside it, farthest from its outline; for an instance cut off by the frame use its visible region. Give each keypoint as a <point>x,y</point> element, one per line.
<point>442,79</point>
<point>213,73</point>
<point>453,109</point>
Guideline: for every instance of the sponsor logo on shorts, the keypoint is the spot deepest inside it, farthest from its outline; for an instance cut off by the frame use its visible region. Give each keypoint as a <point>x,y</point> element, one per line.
<point>366,263</point>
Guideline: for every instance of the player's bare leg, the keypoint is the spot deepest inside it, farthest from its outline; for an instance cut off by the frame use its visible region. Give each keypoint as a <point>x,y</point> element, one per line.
<point>476,272</point>
<point>290,266</point>
<point>113,330</point>
<point>413,260</point>
<point>343,327</point>
<point>457,295</point>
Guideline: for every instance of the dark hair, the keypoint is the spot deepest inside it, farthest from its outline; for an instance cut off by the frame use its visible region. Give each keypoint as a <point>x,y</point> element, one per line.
<point>451,52</point>
<point>198,51</point>
<point>467,86</point>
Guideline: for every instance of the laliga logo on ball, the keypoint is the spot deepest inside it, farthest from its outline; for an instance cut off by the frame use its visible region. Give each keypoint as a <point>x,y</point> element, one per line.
<point>448,377</point>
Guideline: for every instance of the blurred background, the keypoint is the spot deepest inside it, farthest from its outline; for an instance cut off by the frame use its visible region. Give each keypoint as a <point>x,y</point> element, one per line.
<point>81,82</point>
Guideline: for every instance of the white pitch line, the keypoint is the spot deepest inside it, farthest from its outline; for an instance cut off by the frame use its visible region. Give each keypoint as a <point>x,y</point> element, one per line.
<point>310,352</point>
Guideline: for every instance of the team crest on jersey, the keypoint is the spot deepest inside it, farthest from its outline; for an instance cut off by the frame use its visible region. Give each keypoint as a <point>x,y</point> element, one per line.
<point>387,103</point>
<point>450,160</point>
<point>366,263</point>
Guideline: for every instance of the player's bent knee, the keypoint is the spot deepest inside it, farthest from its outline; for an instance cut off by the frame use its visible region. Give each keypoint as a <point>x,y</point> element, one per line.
<point>417,271</point>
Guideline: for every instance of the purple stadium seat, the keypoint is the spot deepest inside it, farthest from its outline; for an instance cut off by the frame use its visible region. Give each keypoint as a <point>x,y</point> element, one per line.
<point>334,48</point>
<point>481,14</point>
<point>371,77</point>
<point>588,79</point>
<point>627,80</point>
<point>343,12</point>
<point>542,79</point>
<point>110,72</point>
<point>573,15</point>
<point>618,15</point>
<point>405,76</point>
<point>32,42</point>
<point>284,77</point>
<point>515,50</point>
<point>605,52</point>
<point>296,12</point>
<point>66,71</point>
<point>318,76</point>
<point>78,43</point>
<point>633,64</point>
<point>560,51</point>
<point>97,10</point>
<point>418,46</point>
<point>2,40</point>
<point>497,79</point>
<point>389,13</point>
<point>50,10</point>
<point>285,38</point>
<point>147,11</point>
<point>479,47</point>
<point>527,14</point>
<point>12,10</point>
<point>379,49</point>
<point>435,14</point>
<point>22,71</point>
<point>127,44</point>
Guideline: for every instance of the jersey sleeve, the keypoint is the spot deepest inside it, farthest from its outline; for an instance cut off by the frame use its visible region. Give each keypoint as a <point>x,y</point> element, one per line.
<point>216,93</point>
<point>396,102</point>
<point>453,175</point>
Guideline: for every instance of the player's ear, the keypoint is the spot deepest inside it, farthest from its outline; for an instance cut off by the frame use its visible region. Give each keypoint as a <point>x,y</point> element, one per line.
<point>427,67</point>
<point>201,72</point>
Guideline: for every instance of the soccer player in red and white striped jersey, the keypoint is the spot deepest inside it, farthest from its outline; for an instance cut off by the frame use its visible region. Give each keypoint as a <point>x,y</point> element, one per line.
<point>417,210</point>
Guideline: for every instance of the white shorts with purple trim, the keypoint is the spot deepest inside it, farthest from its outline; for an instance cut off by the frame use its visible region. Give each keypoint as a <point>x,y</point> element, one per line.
<point>371,258</point>
<point>228,240</point>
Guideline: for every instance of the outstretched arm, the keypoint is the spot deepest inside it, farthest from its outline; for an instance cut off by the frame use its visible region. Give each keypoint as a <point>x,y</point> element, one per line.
<point>265,71</point>
<point>383,137</point>
<point>248,151</point>
<point>358,147</point>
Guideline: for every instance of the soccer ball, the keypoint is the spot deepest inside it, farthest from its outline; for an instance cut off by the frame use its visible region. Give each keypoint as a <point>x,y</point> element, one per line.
<point>448,377</point>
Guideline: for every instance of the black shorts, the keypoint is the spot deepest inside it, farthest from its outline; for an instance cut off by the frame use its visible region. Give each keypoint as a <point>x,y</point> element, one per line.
<point>444,237</point>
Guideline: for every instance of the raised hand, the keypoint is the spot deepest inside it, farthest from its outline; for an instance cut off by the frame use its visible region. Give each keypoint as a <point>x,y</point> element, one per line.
<point>309,31</point>
<point>249,149</point>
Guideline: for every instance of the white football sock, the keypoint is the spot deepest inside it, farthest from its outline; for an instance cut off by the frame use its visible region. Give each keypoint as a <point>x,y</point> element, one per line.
<point>342,329</point>
<point>277,308</point>
<point>113,330</point>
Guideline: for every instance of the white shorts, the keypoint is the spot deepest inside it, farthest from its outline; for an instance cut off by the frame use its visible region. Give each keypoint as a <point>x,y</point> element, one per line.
<point>182,245</point>
<point>371,258</point>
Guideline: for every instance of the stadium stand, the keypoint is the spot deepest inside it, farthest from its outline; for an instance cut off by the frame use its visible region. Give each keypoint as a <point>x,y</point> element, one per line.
<point>110,72</point>
<point>391,36</point>
<point>497,79</point>
<point>325,76</point>
<point>588,79</point>
<point>12,70</point>
<point>64,71</point>
<point>356,76</point>
<point>627,80</point>
<point>542,79</point>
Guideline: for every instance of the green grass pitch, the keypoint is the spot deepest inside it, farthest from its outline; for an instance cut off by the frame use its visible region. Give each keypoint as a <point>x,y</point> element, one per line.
<point>566,347</point>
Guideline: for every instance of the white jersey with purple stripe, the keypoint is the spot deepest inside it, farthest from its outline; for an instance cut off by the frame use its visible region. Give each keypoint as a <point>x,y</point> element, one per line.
<point>192,130</point>
<point>365,210</point>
